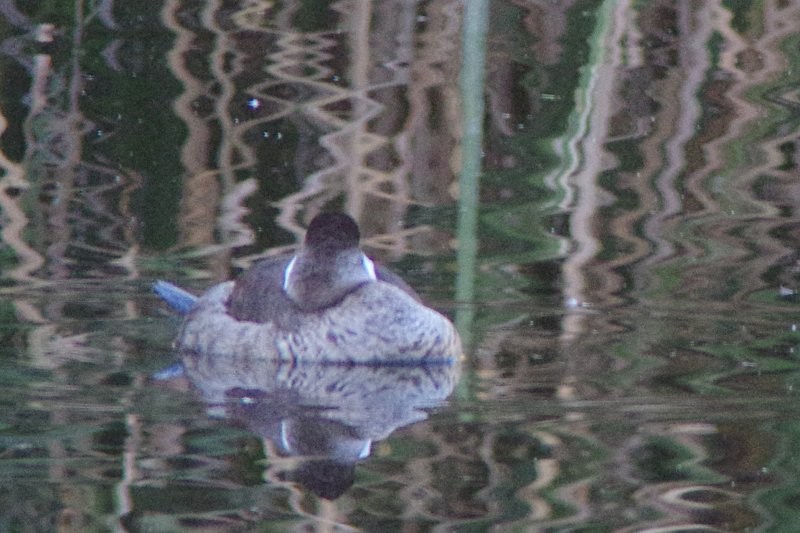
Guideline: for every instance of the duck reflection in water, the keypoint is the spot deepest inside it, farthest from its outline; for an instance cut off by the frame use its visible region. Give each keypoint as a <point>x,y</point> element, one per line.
<point>323,416</point>
<point>321,353</point>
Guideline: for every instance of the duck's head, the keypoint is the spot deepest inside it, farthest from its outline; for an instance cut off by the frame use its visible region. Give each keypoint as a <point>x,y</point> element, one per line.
<point>329,265</point>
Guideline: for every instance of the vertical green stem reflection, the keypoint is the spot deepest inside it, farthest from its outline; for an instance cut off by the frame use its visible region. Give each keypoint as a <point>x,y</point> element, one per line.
<point>473,73</point>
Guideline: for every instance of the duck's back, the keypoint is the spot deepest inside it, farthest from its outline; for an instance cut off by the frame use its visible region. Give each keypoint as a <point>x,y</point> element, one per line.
<point>258,294</point>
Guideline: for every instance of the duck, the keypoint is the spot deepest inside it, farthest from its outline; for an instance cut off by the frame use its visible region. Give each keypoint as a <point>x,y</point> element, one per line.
<point>328,302</point>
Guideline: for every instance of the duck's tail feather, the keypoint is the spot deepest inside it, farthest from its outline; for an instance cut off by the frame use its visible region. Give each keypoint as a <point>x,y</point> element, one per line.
<point>177,298</point>
<point>175,370</point>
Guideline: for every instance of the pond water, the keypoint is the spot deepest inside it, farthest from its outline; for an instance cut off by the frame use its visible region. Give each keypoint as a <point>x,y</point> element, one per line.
<point>603,196</point>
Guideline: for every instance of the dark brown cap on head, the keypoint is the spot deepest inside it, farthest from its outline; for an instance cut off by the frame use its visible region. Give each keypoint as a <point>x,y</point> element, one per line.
<point>335,230</point>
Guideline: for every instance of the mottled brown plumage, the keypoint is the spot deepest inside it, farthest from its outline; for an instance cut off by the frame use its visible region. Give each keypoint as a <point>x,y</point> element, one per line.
<point>326,303</point>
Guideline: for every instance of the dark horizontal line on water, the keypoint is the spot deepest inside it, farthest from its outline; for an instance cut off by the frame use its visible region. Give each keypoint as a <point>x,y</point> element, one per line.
<point>687,407</point>
<point>370,363</point>
<point>120,286</point>
<point>384,363</point>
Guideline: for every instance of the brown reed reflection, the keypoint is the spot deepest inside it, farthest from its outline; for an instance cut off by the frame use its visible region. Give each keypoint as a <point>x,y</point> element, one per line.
<point>73,231</point>
<point>676,177</point>
<point>707,156</point>
<point>364,114</point>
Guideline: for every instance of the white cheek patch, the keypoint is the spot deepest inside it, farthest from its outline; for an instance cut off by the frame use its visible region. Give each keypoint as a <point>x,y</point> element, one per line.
<point>364,453</point>
<point>285,437</point>
<point>369,266</point>
<point>287,273</point>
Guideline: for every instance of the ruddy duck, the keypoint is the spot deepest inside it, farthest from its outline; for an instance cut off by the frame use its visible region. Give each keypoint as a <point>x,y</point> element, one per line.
<point>327,303</point>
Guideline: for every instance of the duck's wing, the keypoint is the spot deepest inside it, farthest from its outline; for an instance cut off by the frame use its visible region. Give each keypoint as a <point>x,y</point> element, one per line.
<point>258,294</point>
<point>386,275</point>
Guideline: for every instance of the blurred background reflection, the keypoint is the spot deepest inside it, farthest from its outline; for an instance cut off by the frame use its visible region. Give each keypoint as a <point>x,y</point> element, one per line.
<point>602,194</point>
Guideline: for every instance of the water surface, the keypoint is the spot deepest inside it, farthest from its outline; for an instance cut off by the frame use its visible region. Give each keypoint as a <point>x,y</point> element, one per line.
<point>602,195</point>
